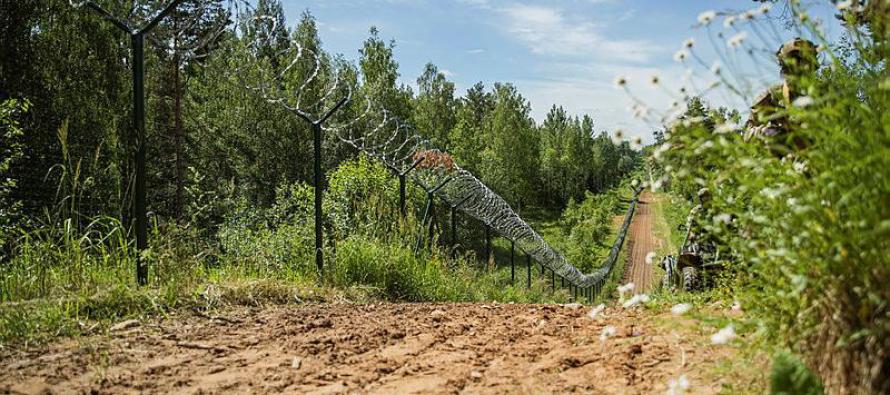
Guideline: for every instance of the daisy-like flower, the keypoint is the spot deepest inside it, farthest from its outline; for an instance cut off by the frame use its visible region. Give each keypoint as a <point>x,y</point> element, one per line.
<point>608,332</point>
<point>618,137</point>
<point>650,257</point>
<point>654,80</point>
<point>736,306</point>
<point>680,309</point>
<point>746,16</point>
<point>736,40</point>
<point>596,311</point>
<point>636,300</point>
<point>729,21</point>
<point>626,288</point>
<point>803,101</point>
<point>705,18</point>
<point>723,218</point>
<point>689,43</point>
<point>656,186</point>
<point>771,193</point>
<point>637,143</point>
<point>724,128</point>
<point>681,55</point>
<point>620,82</point>
<point>641,112</point>
<point>844,5</point>
<point>724,335</point>
<point>765,8</point>
<point>678,386</point>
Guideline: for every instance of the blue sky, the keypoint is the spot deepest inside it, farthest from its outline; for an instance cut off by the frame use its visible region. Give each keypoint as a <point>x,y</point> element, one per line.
<point>565,52</point>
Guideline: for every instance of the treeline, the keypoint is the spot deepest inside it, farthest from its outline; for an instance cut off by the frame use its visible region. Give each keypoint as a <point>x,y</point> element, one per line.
<point>212,140</point>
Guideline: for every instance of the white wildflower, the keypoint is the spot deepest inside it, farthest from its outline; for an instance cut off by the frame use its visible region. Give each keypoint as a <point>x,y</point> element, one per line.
<point>620,82</point>
<point>680,309</point>
<point>765,8</point>
<point>650,257</point>
<point>746,16</point>
<point>716,68</point>
<point>723,218</point>
<point>636,300</point>
<point>844,5</point>
<point>623,289</point>
<point>608,332</point>
<point>678,386</point>
<point>803,101</point>
<point>689,43</point>
<point>657,184</point>
<point>724,128</point>
<point>641,112</point>
<point>803,16</point>
<point>681,55</point>
<point>729,21</point>
<point>595,312</point>
<point>705,18</point>
<point>736,306</point>
<point>724,335</point>
<point>737,40</point>
<point>800,166</point>
<point>637,142</point>
<point>654,80</point>
<point>618,137</point>
<point>771,193</point>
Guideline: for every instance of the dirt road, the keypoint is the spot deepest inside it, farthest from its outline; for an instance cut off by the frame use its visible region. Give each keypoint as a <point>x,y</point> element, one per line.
<point>641,242</point>
<point>382,348</point>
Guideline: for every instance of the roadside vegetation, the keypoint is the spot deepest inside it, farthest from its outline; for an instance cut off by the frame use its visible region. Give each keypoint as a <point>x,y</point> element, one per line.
<point>802,207</point>
<point>229,175</point>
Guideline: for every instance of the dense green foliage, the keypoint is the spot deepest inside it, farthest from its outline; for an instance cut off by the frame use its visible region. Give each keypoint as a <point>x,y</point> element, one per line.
<point>229,172</point>
<point>807,224</point>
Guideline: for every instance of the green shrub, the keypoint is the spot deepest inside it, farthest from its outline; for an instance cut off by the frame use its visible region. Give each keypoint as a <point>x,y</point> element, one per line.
<point>809,227</point>
<point>789,376</point>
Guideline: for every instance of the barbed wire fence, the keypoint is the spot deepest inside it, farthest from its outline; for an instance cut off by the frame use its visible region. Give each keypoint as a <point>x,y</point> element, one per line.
<point>407,154</point>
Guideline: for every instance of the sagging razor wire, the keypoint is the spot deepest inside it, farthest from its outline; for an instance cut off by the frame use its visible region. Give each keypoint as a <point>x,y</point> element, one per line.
<point>379,134</point>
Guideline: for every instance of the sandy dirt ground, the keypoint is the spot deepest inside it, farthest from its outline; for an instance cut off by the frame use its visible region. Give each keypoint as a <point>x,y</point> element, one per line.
<point>379,348</point>
<point>641,241</point>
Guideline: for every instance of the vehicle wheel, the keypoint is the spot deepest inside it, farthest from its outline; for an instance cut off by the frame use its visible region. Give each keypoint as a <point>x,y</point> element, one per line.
<point>690,278</point>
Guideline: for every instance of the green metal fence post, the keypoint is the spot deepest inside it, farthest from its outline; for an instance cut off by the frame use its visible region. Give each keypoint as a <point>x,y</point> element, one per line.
<point>512,265</point>
<point>528,266</point>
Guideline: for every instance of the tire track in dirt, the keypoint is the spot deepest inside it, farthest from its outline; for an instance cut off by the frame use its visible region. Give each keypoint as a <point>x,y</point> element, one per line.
<point>376,349</point>
<point>641,242</point>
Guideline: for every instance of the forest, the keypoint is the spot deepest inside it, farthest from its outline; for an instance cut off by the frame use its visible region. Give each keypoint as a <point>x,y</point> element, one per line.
<point>279,217</point>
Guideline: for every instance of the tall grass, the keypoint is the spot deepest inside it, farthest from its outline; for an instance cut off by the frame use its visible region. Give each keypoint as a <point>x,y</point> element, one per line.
<point>807,224</point>
<point>63,277</point>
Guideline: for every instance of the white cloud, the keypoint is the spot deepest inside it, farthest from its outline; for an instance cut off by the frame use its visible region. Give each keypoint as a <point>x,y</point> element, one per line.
<point>546,30</point>
<point>447,73</point>
<point>476,51</point>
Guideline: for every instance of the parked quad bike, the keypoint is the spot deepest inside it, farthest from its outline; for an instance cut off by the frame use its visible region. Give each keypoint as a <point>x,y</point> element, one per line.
<point>695,265</point>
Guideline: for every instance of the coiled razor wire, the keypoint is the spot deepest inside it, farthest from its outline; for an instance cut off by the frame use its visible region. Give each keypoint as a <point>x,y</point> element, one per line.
<point>400,148</point>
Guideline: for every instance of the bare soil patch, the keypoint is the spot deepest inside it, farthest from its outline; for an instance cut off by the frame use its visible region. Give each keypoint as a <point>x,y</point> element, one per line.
<point>377,348</point>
